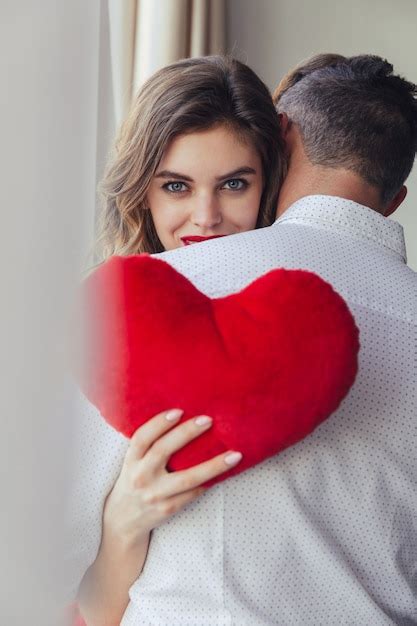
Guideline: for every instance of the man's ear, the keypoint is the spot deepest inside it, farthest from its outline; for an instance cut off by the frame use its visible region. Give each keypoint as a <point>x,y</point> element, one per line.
<point>287,134</point>
<point>395,203</point>
<point>285,123</point>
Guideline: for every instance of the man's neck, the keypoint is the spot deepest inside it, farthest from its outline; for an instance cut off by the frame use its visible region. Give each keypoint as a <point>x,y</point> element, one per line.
<point>306,180</point>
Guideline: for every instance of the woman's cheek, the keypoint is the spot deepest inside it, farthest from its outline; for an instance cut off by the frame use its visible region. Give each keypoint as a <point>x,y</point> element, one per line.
<point>248,210</point>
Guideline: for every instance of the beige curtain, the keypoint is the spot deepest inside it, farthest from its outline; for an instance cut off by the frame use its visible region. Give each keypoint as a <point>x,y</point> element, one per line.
<point>148,34</point>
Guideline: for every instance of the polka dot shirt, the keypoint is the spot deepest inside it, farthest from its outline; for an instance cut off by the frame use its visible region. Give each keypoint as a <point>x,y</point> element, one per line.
<point>324,533</point>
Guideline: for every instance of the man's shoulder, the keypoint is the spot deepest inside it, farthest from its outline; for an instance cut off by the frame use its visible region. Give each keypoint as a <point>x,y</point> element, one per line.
<point>222,245</point>
<point>228,264</point>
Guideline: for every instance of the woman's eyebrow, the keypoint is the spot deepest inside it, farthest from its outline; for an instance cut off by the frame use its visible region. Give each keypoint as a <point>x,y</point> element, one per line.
<point>177,175</point>
<point>239,172</point>
<point>169,174</point>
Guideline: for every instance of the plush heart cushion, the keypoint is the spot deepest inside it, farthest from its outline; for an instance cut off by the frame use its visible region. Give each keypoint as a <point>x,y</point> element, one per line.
<point>269,363</point>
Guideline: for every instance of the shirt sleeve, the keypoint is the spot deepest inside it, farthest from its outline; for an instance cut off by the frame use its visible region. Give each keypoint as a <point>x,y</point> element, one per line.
<point>96,461</point>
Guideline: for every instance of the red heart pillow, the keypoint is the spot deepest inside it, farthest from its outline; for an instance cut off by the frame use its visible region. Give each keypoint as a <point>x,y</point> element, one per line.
<point>269,363</point>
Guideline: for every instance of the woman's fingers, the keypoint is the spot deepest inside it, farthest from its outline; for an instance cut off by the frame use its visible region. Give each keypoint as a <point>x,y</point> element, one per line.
<point>155,441</point>
<point>149,432</point>
<point>145,494</point>
<point>160,452</point>
<point>185,480</point>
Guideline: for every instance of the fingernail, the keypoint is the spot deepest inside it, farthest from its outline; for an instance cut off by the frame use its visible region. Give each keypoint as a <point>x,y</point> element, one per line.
<point>203,420</point>
<point>174,415</point>
<point>233,458</point>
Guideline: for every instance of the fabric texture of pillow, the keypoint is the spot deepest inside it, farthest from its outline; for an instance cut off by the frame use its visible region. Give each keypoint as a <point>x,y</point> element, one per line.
<point>268,364</point>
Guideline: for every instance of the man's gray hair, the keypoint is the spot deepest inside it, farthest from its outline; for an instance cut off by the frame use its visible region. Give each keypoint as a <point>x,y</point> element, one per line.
<point>354,113</point>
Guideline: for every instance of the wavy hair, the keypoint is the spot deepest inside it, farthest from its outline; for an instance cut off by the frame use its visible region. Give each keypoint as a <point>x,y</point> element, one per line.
<point>191,95</point>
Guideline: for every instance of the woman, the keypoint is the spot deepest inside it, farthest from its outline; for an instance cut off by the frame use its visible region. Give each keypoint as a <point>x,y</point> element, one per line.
<point>189,97</point>
<point>199,156</point>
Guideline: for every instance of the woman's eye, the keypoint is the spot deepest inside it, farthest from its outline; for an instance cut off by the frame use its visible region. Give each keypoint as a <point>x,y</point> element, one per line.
<point>235,184</point>
<point>175,187</point>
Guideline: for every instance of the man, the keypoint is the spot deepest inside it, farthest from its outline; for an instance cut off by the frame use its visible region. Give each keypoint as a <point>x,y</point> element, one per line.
<point>334,535</point>
<point>324,533</point>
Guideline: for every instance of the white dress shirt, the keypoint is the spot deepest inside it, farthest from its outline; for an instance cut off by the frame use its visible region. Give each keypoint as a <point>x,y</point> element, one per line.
<point>324,533</point>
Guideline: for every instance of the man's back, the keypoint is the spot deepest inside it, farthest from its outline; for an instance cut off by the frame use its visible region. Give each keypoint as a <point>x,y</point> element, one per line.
<point>324,533</point>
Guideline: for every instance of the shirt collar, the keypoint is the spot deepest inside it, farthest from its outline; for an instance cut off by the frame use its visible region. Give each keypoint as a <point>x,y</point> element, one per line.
<point>334,213</point>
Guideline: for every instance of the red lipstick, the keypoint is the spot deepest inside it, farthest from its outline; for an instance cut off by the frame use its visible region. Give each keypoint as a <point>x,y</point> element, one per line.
<point>189,239</point>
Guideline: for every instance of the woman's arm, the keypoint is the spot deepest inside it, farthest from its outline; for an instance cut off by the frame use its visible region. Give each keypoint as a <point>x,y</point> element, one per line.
<point>144,496</point>
<point>103,595</point>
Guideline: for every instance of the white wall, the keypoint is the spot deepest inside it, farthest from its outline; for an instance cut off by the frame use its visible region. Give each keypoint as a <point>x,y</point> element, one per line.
<point>48,117</point>
<point>272,36</point>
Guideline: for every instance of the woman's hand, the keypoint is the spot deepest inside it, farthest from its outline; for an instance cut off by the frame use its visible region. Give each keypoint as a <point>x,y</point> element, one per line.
<point>143,497</point>
<point>145,493</point>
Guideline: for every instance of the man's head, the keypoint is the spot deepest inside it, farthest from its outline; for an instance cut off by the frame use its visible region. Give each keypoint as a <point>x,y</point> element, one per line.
<point>354,114</point>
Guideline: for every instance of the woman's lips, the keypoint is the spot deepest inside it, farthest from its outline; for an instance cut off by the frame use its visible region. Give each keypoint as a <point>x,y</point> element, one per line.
<point>189,239</point>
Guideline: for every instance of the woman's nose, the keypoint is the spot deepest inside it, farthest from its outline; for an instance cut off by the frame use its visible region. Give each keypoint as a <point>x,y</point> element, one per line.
<point>206,212</point>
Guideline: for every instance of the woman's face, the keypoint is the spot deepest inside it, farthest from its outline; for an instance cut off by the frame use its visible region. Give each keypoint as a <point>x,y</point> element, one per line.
<point>208,184</point>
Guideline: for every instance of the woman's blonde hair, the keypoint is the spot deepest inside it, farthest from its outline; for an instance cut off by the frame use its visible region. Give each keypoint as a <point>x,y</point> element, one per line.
<point>190,95</point>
